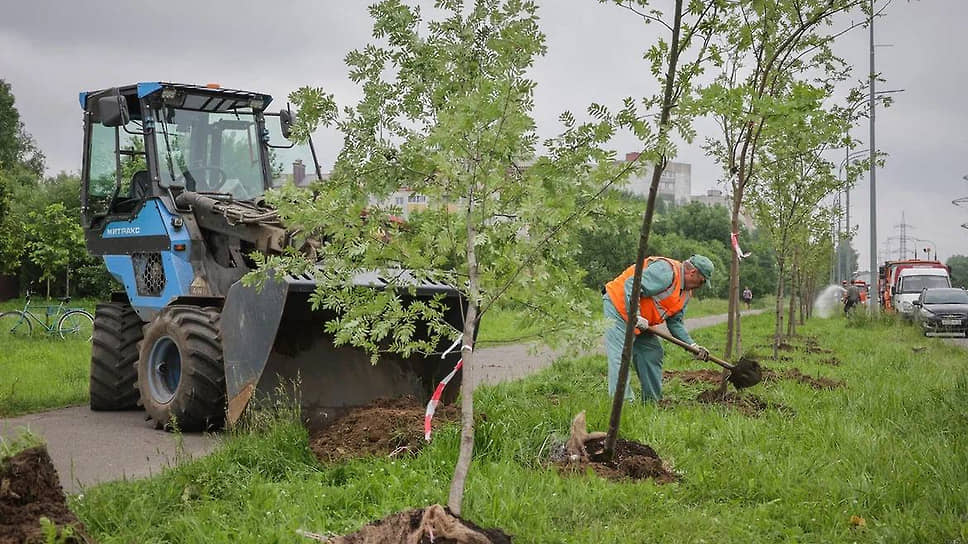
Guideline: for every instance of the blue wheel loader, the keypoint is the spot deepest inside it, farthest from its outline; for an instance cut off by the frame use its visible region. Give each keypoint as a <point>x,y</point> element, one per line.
<point>173,179</point>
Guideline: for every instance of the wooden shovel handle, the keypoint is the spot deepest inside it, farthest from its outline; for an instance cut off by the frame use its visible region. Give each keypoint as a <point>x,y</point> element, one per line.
<point>666,336</point>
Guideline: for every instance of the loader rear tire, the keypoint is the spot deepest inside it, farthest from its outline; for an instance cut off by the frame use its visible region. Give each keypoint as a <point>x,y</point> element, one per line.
<point>181,373</point>
<point>114,352</point>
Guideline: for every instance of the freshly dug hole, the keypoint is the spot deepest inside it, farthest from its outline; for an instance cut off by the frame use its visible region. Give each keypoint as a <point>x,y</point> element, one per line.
<point>29,490</point>
<point>750,405</point>
<point>796,375</point>
<point>632,461</point>
<point>381,428</point>
<point>432,525</point>
<point>694,376</point>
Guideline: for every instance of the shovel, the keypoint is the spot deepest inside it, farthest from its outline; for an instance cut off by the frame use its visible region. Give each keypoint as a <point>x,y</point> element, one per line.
<point>745,373</point>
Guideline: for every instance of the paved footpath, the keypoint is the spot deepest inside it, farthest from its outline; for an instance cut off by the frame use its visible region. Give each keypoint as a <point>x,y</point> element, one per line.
<point>90,447</point>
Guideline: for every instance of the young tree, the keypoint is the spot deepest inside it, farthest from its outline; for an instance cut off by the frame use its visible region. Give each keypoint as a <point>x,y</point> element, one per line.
<point>445,112</point>
<point>794,180</point>
<point>769,43</point>
<point>54,239</point>
<point>676,63</point>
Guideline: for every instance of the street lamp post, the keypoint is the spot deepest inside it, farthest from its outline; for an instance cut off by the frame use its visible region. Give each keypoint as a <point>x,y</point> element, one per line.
<point>848,156</point>
<point>874,304</point>
<point>963,201</point>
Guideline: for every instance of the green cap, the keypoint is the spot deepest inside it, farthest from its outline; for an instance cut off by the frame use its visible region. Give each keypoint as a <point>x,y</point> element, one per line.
<point>704,266</point>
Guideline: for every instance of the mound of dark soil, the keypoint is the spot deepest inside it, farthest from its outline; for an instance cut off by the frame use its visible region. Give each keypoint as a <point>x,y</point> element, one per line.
<point>796,375</point>
<point>432,525</point>
<point>30,490</point>
<point>832,361</point>
<point>812,346</point>
<point>383,427</point>
<point>694,376</point>
<point>750,405</point>
<point>632,461</point>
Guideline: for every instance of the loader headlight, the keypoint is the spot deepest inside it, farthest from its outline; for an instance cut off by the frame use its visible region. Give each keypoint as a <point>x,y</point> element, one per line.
<point>906,306</point>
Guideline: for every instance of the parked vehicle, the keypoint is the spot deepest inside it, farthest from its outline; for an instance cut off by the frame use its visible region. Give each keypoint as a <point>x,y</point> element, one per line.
<point>172,191</point>
<point>910,283</point>
<point>915,275</point>
<point>942,311</point>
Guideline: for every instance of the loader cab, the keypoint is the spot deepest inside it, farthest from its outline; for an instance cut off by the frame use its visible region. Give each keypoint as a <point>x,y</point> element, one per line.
<point>157,139</point>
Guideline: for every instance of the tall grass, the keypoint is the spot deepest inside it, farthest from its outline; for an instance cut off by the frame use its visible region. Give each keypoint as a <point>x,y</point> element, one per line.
<point>888,447</point>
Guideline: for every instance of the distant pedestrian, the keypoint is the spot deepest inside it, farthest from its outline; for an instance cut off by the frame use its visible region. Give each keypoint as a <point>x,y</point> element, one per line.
<point>747,297</point>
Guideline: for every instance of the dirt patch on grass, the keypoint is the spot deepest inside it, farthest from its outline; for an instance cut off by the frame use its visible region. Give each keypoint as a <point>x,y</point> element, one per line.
<point>812,346</point>
<point>694,376</point>
<point>632,461</point>
<point>796,375</point>
<point>381,428</point>
<point>745,403</point>
<point>832,361</point>
<point>29,490</point>
<point>435,524</point>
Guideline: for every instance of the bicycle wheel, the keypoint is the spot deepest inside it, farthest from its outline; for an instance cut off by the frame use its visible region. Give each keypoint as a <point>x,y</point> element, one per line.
<point>77,324</point>
<point>15,324</point>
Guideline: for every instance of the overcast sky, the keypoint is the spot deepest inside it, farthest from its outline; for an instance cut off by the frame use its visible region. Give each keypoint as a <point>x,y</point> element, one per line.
<point>50,50</point>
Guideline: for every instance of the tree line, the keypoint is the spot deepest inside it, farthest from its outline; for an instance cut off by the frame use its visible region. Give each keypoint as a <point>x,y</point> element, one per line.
<point>41,241</point>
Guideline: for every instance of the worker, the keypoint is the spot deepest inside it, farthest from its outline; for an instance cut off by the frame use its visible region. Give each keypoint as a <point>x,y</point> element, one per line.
<point>851,298</point>
<point>666,287</point>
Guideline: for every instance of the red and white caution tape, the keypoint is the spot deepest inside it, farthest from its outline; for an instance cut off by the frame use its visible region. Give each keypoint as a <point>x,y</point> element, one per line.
<point>734,238</point>
<point>435,398</point>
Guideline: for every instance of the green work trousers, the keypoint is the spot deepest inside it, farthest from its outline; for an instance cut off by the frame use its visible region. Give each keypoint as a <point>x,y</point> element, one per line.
<point>646,357</point>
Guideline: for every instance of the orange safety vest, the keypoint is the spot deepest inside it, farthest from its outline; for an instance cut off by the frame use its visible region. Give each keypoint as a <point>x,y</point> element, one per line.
<point>657,308</point>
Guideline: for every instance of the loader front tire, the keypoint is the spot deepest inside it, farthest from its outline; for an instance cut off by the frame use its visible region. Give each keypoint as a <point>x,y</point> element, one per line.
<point>114,352</point>
<point>181,373</point>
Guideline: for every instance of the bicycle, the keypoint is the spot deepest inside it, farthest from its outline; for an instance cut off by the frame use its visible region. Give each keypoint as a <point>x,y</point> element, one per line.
<point>70,322</point>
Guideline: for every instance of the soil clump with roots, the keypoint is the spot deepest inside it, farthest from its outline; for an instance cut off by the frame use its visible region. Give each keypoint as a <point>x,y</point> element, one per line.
<point>385,427</point>
<point>432,525</point>
<point>30,490</point>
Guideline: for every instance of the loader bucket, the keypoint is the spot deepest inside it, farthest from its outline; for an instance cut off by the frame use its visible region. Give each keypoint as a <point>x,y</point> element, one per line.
<point>271,338</point>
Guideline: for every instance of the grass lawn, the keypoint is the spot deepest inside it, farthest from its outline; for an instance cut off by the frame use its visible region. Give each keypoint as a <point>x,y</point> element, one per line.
<point>42,371</point>
<point>888,447</point>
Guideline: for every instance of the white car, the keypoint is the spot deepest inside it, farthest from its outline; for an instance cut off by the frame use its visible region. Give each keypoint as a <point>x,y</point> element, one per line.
<point>911,282</point>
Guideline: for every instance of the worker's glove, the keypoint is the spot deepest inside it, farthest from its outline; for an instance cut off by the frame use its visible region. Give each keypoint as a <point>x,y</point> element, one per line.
<point>700,352</point>
<point>642,323</point>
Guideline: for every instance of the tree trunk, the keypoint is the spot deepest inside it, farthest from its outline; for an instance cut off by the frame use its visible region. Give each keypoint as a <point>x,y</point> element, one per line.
<point>801,291</point>
<point>738,348</point>
<point>791,316</point>
<point>615,417</point>
<point>778,313</point>
<point>466,452</point>
<point>733,311</point>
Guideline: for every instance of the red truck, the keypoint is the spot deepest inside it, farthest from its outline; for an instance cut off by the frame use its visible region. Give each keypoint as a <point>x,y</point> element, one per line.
<point>889,288</point>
